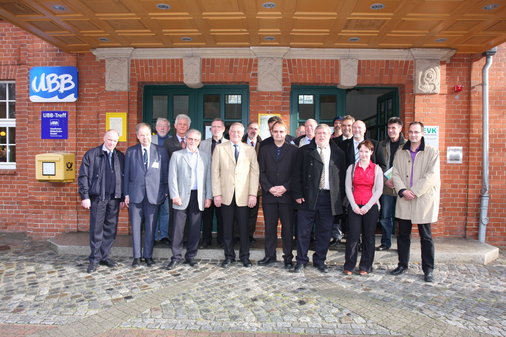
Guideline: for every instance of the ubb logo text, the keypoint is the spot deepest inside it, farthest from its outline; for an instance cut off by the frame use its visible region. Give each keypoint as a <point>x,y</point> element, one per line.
<point>53,84</point>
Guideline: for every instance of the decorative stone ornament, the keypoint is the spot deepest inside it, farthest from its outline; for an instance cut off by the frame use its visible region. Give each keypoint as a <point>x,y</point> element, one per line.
<point>348,73</point>
<point>270,74</point>
<point>428,77</point>
<point>192,70</point>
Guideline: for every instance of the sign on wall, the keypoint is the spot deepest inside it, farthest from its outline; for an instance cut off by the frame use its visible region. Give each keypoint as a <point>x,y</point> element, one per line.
<point>54,125</point>
<point>431,136</point>
<point>53,84</point>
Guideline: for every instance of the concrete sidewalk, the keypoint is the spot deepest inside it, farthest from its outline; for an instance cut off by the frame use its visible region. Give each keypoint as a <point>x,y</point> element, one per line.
<point>452,250</point>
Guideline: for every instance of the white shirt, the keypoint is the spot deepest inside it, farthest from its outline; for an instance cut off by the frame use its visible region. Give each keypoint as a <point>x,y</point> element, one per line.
<point>326,165</point>
<point>193,156</point>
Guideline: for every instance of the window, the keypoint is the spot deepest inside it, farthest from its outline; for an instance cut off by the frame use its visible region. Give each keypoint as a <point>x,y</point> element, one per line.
<point>7,125</point>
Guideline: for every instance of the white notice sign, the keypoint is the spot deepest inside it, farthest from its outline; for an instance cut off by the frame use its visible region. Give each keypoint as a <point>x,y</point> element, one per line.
<point>431,135</point>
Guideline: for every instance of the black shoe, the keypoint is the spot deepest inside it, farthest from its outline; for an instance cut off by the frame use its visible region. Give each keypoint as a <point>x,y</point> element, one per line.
<point>205,244</point>
<point>91,268</point>
<point>136,262</point>
<point>298,268</point>
<point>382,247</point>
<point>191,262</point>
<point>108,262</point>
<point>428,277</point>
<point>150,262</point>
<point>266,261</point>
<point>322,267</point>
<point>399,270</point>
<point>227,262</point>
<point>288,264</point>
<point>334,242</point>
<point>173,264</point>
<point>246,263</point>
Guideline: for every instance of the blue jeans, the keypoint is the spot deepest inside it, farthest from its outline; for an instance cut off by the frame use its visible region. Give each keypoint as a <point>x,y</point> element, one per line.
<point>387,219</point>
<point>162,225</point>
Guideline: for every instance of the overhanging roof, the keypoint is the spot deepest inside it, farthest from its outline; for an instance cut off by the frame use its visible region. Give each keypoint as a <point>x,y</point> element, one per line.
<point>468,26</point>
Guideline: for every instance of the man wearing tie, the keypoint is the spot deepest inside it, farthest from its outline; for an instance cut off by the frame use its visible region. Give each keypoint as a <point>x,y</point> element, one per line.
<point>318,189</point>
<point>235,177</point>
<point>181,124</point>
<point>207,146</point>
<point>101,190</point>
<point>146,169</point>
<point>190,191</point>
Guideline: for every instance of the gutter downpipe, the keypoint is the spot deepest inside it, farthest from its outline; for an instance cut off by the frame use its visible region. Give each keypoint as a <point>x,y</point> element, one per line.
<point>484,195</point>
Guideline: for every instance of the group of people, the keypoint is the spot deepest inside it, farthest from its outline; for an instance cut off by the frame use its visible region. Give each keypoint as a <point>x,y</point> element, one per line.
<point>318,184</point>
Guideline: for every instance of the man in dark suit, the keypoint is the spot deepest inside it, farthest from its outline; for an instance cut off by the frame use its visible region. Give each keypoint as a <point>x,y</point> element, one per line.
<point>146,169</point>
<point>101,190</point>
<point>190,191</point>
<point>270,123</point>
<point>181,124</point>
<point>350,146</point>
<point>346,133</point>
<point>318,189</point>
<point>309,125</point>
<point>253,139</point>
<point>235,186</point>
<point>276,161</point>
<point>207,146</point>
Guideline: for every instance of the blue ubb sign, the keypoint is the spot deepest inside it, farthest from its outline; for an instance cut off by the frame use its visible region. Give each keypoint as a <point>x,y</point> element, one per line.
<point>53,84</point>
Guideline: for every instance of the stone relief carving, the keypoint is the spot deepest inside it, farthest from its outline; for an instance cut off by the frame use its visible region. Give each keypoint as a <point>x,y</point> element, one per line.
<point>117,74</point>
<point>270,72</point>
<point>428,76</point>
<point>192,71</point>
<point>348,73</point>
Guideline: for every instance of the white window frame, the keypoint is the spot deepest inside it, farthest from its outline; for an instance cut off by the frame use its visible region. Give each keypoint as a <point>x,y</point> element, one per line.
<point>8,123</point>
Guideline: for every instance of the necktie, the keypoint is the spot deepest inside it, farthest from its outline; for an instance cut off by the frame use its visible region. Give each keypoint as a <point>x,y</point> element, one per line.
<point>110,158</point>
<point>322,177</point>
<point>253,144</point>
<point>236,152</point>
<point>183,143</point>
<point>145,158</point>
<point>357,156</point>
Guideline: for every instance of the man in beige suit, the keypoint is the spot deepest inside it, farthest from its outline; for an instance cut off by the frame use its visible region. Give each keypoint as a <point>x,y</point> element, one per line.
<point>235,179</point>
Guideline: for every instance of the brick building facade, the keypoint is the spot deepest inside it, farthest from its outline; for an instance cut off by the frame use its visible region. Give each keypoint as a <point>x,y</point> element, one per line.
<point>45,209</point>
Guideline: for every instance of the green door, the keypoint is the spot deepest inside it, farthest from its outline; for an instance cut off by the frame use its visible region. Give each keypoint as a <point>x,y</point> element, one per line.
<point>230,103</point>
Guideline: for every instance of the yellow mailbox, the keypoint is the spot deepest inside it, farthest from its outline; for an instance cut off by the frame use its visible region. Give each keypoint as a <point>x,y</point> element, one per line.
<point>57,167</point>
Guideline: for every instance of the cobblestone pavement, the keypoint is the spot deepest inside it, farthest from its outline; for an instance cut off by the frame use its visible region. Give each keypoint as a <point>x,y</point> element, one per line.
<point>43,294</point>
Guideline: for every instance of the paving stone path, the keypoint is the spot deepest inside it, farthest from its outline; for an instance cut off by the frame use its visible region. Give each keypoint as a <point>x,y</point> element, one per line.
<point>42,294</point>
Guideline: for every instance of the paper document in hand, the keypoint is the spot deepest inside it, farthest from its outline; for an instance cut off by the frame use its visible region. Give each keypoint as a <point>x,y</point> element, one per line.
<point>388,173</point>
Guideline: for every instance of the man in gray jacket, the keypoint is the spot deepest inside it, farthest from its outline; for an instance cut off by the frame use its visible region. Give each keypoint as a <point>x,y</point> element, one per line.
<point>389,147</point>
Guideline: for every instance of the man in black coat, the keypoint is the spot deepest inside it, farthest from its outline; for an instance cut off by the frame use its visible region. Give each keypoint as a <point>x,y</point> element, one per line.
<point>350,146</point>
<point>101,190</point>
<point>318,189</point>
<point>276,161</point>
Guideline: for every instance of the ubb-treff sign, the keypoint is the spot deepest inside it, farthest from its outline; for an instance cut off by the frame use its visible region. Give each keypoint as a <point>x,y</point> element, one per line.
<point>53,84</point>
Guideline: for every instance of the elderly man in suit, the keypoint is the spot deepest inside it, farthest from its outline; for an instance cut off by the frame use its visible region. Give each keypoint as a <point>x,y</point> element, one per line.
<point>235,177</point>
<point>181,124</point>
<point>146,169</point>
<point>309,127</point>
<point>207,146</point>
<point>318,189</point>
<point>350,146</point>
<point>190,191</point>
<point>276,161</point>
<point>101,190</point>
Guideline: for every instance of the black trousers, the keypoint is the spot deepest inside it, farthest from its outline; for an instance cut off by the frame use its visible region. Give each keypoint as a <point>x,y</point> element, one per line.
<point>229,213</point>
<point>191,217</point>
<point>103,224</point>
<point>365,225</point>
<point>404,243</point>
<point>252,219</point>
<point>323,219</point>
<point>207,226</point>
<point>272,213</point>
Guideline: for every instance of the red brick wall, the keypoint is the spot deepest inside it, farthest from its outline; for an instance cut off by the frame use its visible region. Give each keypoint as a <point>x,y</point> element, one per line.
<point>45,209</point>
